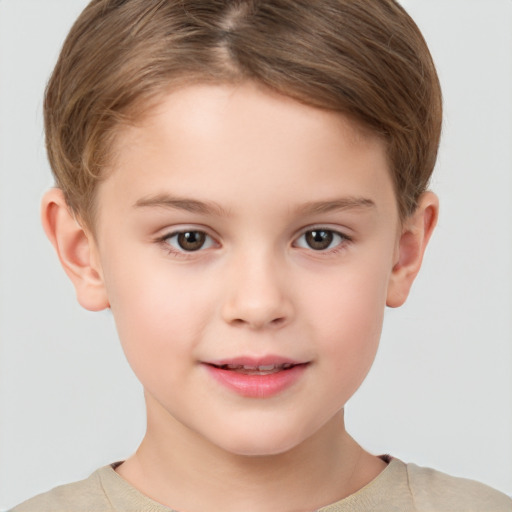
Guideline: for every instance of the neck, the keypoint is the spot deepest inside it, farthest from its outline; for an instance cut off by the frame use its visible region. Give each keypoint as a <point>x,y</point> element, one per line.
<point>184,471</point>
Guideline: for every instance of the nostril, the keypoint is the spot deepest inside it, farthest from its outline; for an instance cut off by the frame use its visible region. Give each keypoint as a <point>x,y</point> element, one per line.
<point>258,323</point>
<point>255,310</point>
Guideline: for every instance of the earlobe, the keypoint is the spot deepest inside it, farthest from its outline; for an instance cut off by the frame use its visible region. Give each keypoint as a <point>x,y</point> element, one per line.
<point>416,232</point>
<point>76,250</point>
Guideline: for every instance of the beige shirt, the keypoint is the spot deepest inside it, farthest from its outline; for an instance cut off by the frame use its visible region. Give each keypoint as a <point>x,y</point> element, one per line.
<point>400,487</point>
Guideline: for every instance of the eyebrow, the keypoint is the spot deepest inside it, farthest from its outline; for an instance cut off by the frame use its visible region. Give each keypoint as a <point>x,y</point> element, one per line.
<point>345,203</point>
<point>181,203</point>
<point>210,207</point>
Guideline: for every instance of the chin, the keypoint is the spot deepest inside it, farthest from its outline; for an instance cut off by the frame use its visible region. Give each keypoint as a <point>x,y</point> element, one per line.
<point>260,443</point>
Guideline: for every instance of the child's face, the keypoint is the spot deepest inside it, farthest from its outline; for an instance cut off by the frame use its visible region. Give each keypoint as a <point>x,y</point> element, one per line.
<point>241,227</point>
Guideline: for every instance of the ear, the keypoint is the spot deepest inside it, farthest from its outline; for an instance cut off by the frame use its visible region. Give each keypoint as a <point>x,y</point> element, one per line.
<point>416,232</point>
<point>76,250</point>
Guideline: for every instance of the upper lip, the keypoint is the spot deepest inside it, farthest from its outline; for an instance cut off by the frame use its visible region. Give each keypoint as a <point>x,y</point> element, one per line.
<point>256,362</point>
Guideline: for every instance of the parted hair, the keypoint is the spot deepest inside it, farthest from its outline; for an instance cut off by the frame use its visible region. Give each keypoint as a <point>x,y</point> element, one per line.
<point>365,59</point>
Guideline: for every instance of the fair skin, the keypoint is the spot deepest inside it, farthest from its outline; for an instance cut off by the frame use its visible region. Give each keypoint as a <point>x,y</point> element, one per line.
<point>240,227</point>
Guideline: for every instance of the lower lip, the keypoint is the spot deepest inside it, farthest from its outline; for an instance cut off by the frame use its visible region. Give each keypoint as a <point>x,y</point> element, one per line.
<point>257,386</point>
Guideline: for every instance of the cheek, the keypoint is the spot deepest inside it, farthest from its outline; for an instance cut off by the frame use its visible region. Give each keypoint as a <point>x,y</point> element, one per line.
<point>347,309</point>
<point>157,322</point>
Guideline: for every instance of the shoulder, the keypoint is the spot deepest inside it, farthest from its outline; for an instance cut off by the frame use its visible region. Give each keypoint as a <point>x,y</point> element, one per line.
<point>82,496</point>
<point>433,490</point>
<point>103,491</point>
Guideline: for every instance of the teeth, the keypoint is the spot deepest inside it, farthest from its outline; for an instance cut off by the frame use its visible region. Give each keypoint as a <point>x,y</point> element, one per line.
<point>261,368</point>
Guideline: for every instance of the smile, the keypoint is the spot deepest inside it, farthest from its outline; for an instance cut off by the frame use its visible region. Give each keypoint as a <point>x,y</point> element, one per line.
<point>256,380</point>
<point>266,369</point>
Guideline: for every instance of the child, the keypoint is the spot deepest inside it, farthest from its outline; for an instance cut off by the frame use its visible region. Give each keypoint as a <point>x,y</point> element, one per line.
<point>244,185</point>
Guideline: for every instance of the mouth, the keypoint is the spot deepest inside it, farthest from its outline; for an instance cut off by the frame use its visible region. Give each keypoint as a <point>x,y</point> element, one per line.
<point>257,378</point>
<point>264,369</point>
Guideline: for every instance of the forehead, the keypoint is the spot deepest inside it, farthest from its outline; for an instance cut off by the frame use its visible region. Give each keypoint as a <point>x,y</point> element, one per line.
<point>196,104</point>
<point>235,142</point>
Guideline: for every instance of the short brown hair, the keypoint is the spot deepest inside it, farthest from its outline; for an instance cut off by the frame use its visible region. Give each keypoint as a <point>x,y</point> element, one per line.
<point>364,58</point>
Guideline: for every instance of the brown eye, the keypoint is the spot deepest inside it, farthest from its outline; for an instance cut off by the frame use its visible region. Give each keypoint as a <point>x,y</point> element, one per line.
<point>187,241</point>
<point>191,240</point>
<point>320,239</point>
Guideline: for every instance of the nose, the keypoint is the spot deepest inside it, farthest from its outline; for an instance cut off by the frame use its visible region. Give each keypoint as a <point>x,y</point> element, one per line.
<point>258,296</point>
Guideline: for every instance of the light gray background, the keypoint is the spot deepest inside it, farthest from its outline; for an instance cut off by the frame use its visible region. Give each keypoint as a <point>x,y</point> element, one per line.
<point>440,392</point>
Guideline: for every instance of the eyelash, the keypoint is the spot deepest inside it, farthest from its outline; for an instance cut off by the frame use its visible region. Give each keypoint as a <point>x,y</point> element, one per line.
<point>343,240</point>
<point>182,253</point>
